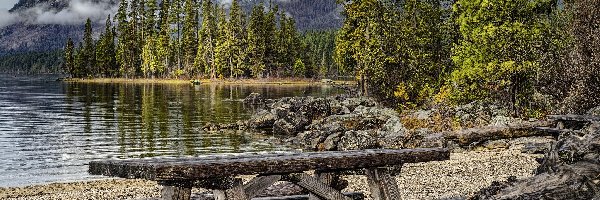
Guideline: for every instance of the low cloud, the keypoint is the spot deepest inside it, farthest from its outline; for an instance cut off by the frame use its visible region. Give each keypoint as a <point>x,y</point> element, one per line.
<point>6,18</point>
<point>75,13</point>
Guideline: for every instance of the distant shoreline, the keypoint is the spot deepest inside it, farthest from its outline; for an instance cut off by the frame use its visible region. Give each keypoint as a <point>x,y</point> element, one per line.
<point>266,81</point>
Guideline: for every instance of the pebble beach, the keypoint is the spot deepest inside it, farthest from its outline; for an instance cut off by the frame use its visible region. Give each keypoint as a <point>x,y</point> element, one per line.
<point>464,174</point>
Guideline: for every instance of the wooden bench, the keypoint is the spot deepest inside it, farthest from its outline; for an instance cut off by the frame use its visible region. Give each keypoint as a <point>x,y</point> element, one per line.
<point>217,173</point>
<point>568,123</point>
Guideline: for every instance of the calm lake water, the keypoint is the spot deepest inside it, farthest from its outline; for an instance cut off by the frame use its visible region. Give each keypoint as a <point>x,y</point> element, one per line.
<point>50,130</point>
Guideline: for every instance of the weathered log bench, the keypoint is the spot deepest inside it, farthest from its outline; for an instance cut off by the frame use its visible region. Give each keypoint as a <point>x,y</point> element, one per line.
<point>217,173</point>
<point>568,123</point>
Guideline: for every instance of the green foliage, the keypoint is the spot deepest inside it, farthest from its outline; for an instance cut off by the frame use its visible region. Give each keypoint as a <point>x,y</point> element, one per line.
<point>398,50</point>
<point>500,50</point>
<point>299,68</point>
<point>319,49</point>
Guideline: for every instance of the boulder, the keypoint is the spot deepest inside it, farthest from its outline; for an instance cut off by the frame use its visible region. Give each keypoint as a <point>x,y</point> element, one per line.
<point>254,99</point>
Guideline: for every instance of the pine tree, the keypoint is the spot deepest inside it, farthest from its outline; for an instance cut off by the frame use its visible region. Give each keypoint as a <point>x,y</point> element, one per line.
<point>123,39</point>
<point>89,52</point>
<point>238,40</point>
<point>256,42</point>
<point>111,51</point>
<point>175,45</point>
<point>69,64</point>
<point>223,45</point>
<point>164,40</point>
<point>270,39</point>
<point>150,18</point>
<point>190,38</point>
<point>79,62</point>
<point>207,40</point>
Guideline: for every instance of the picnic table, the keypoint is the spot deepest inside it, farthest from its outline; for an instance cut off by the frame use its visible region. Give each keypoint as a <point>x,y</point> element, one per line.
<point>218,172</point>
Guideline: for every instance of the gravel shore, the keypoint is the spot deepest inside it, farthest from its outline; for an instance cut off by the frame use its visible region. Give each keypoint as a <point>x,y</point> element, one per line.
<point>461,176</point>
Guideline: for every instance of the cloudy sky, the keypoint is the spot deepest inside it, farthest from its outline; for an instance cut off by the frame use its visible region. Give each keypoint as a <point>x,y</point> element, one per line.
<point>75,13</point>
<point>7,4</point>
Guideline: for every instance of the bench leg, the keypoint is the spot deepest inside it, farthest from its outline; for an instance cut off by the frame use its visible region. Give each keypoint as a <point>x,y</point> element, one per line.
<point>235,191</point>
<point>382,184</point>
<point>176,192</point>
<point>315,186</point>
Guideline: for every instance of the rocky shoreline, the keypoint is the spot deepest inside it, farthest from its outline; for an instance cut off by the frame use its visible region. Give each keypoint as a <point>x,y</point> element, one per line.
<point>492,155</point>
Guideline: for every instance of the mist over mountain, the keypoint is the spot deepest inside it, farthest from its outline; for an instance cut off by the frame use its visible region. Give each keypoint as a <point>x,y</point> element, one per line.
<point>44,25</point>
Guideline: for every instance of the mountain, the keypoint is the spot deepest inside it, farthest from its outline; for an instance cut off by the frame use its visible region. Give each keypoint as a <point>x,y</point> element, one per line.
<point>25,4</point>
<point>44,25</point>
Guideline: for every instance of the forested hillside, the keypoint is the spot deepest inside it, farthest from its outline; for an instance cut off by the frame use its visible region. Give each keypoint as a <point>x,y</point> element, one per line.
<point>167,41</point>
<point>29,32</point>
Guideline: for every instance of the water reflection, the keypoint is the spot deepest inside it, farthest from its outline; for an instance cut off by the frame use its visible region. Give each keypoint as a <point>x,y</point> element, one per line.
<point>50,130</point>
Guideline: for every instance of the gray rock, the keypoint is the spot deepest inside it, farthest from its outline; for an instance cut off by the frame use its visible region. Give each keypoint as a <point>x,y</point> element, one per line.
<point>352,140</point>
<point>262,119</point>
<point>254,99</point>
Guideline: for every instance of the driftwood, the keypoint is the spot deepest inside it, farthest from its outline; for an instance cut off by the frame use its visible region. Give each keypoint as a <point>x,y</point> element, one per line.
<point>570,169</point>
<point>179,175</point>
<point>471,136</point>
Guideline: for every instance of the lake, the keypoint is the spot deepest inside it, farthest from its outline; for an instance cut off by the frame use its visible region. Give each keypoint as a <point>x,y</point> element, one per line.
<point>50,130</point>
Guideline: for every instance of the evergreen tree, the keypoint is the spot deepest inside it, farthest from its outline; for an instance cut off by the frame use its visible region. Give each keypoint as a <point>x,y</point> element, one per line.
<point>224,43</point>
<point>89,52</point>
<point>164,40</point>
<point>123,54</point>
<point>79,61</point>
<point>69,59</point>
<point>150,18</point>
<point>270,38</point>
<point>238,40</point>
<point>190,39</point>
<point>256,41</point>
<point>175,20</point>
<point>105,51</point>
<point>207,40</point>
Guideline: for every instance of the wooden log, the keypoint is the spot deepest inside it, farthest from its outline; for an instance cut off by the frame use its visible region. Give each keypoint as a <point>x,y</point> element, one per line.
<point>268,163</point>
<point>572,117</point>
<point>471,136</point>
<point>315,186</point>
<point>382,184</point>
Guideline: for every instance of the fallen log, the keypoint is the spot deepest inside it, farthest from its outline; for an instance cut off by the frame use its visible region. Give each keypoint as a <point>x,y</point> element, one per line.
<point>470,136</point>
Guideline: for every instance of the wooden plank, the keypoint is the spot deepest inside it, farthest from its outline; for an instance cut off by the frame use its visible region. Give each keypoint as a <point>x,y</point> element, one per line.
<point>259,183</point>
<point>315,186</point>
<point>572,117</point>
<point>382,184</point>
<point>176,193</point>
<point>269,163</point>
